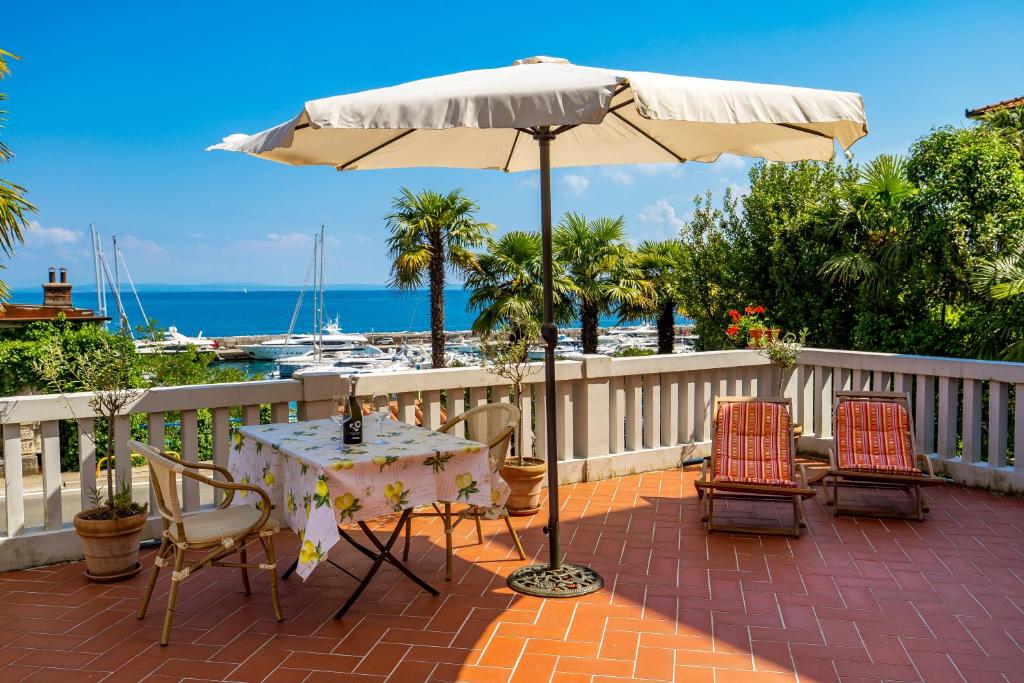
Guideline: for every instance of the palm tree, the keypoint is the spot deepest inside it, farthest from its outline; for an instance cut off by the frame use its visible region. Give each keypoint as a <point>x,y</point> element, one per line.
<point>878,219</point>
<point>433,234</point>
<point>599,269</point>
<point>507,287</point>
<point>1002,279</point>
<point>13,205</point>
<point>661,265</point>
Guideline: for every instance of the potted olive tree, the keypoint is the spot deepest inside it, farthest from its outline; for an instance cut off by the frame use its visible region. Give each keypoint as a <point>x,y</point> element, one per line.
<point>507,355</point>
<point>110,530</point>
<point>783,352</point>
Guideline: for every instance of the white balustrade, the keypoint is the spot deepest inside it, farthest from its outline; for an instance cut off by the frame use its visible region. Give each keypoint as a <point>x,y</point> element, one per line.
<point>615,416</point>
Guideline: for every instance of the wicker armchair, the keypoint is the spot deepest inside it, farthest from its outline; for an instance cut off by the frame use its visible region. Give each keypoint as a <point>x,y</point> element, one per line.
<point>492,424</point>
<point>220,532</point>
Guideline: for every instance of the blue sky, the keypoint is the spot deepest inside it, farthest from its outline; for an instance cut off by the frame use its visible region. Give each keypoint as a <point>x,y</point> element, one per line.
<point>112,105</point>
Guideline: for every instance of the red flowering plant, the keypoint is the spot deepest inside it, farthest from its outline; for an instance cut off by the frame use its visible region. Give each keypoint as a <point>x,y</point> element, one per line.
<point>749,327</point>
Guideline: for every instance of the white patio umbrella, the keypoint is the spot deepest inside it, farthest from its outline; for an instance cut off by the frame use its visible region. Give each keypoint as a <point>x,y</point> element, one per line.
<point>579,116</point>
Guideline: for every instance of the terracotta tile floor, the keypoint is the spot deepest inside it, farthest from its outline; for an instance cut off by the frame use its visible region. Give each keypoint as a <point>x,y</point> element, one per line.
<point>852,600</point>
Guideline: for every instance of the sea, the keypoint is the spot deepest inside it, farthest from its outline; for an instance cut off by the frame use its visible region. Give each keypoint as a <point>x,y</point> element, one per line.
<point>244,311</point>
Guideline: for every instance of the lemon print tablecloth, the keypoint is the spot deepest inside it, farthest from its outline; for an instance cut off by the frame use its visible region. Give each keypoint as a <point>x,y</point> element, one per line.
<point>316,482</point>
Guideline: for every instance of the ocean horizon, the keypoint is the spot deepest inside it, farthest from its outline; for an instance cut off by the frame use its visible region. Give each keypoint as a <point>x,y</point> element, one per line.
<point>238,310</point>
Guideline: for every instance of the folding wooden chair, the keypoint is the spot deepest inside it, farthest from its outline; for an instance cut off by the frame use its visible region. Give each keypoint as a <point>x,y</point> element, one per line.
<point>752,457</point>
<point>875,448</point>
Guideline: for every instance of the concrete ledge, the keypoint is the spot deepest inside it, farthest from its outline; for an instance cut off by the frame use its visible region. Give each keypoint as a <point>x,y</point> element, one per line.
<point>631,462</point>
<point>979,475</point>
<point>50,547</point>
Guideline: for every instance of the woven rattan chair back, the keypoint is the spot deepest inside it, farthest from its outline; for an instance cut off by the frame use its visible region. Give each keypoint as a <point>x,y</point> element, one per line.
<point>163,471</point>
<point>492,424</point>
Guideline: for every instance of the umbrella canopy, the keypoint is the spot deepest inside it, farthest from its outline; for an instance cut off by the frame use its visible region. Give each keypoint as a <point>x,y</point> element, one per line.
<point>476,119</point>
<point>578,116</point>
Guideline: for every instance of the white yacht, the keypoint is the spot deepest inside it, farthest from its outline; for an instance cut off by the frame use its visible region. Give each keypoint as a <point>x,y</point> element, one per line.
<point>356,355</point>
<point>282,347</point>
<point>173,341</point>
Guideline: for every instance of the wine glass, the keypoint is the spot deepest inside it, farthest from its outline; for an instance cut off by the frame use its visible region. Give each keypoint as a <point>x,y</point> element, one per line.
<point>382,409</point>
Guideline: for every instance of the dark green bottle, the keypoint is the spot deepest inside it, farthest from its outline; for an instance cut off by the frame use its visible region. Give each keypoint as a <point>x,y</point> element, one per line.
<point>353,431</point>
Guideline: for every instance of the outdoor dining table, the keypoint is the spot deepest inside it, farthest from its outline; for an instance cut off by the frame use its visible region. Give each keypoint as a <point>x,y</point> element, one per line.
<point>319,485</point>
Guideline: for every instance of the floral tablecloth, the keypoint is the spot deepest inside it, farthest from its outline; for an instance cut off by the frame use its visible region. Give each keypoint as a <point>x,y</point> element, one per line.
<point>316,482</point>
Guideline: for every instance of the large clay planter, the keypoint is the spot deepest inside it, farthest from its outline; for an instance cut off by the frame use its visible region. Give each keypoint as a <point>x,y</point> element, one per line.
<point>111,546</point>
<point>526,482</point>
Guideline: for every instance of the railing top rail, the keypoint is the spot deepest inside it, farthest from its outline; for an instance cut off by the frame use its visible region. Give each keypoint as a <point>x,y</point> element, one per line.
<point>963,368</point>
<point>17,409</point>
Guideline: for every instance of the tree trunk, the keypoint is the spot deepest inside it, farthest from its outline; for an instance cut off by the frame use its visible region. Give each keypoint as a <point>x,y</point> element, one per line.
<point>667,327</point>
<point>437,301</point>
<point>588,320</point>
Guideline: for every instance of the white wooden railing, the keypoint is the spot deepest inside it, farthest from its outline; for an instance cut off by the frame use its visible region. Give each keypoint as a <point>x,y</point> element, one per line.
<point>616,416</point>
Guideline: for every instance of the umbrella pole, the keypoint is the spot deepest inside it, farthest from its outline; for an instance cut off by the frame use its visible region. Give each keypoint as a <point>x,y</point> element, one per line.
<point>554,579</point>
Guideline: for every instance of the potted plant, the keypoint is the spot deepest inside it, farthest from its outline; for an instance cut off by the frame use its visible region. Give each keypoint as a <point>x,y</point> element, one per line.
<point>506,354</point>
<point>750,327</point>
<point>110,530</point>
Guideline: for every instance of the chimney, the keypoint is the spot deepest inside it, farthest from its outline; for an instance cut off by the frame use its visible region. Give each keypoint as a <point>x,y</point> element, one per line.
<point>57,294</point>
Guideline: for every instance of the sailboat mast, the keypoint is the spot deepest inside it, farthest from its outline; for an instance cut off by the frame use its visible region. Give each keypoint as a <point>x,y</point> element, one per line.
<point>323,288</point>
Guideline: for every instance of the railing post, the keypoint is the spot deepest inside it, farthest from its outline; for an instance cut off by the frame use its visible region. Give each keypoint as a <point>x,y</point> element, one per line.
<point>14,488</point>
<point>971,434</point>
<point>669,408</point>
<point>998,412</point>
<point>318,394</point>
<point>51,475</point>
<point>652,410</point>
<point>591,408</point>
<point>924,413</point>
<point>947,416</point>
<point>634,419</point>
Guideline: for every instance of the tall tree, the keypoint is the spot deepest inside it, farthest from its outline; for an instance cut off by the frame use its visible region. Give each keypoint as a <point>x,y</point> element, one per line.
<point>432,235</point>
<point>710,281</point>
<point>661,265</point>
<point>599,269</point>
<point>507,287</point>
<point>13,205</point>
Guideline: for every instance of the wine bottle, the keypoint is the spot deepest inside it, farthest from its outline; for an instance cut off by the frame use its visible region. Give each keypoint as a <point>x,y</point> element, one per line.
<point>353,432</point>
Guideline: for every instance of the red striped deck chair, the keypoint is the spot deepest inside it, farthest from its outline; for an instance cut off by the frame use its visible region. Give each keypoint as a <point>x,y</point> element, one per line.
<point>752,457</point>
<point>875,448</point>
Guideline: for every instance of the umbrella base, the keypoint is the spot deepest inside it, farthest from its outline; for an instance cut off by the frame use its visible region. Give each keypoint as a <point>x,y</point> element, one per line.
<point>568,581</point>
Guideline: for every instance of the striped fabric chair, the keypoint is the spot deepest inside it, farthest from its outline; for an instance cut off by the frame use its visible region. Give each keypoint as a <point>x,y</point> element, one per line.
<point>874,447</point>
<point>752,456</point>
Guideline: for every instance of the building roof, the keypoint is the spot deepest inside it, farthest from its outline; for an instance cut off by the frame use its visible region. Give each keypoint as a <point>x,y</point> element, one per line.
<point>23,314</point>
<point>989,108</point>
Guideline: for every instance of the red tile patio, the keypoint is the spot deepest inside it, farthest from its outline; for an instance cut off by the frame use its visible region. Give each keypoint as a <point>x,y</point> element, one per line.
<point>852,600</point>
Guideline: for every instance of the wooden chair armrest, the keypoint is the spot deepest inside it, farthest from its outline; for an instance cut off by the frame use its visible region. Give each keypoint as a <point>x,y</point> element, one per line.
<point>927,464</point>
<point>449,424</point>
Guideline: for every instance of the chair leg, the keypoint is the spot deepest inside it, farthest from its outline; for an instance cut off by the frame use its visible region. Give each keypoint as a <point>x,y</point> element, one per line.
<point>172,598</point>
<point>920,503</point>
<point>157,561</point>
<point>515,536</point>
<point>479,529</point>
<point>408,538</point>
<point>709,522</point>
<point>275,598</point>
<point>796,516</point>
<point>835,496</point>
<point>448,542</point>
<point>245,570</point>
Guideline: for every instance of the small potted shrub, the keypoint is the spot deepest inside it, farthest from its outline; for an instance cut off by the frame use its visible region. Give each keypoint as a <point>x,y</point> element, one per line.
<point>783,353</point>
<point>110,530</point>
<point>506,354</point>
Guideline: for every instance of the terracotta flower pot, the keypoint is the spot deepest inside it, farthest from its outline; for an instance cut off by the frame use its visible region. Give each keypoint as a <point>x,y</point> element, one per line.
<point>754,337</point>
<point>111,546</point>
<point>526,482</point>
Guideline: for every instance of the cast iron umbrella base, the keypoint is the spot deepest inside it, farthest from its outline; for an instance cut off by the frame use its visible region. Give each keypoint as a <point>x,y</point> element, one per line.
<point>567,581</point>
